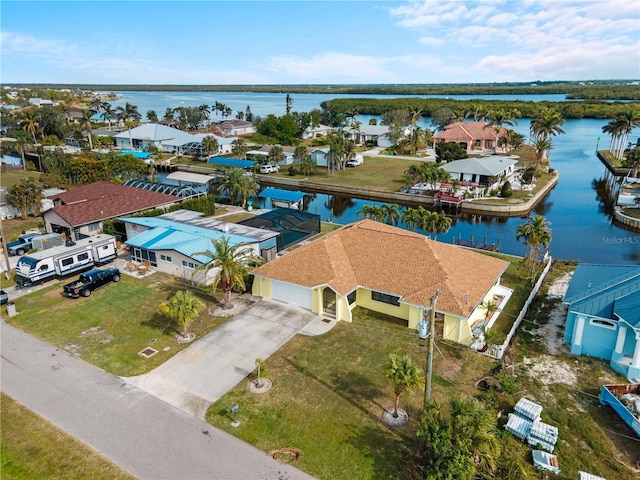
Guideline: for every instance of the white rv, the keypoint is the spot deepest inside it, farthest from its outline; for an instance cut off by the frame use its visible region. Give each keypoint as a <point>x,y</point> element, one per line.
<point>67,259</point>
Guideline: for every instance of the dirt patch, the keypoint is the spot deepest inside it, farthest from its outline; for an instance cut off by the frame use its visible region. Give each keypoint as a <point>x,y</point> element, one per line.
<point>551,333</point>
<point>97,334</point>
<point>550,370</point>
<point>239,306</point>
<point>450,370</point>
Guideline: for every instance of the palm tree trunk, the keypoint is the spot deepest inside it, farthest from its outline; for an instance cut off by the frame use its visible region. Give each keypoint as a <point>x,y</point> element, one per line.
<point>396,405</point>
<point>228,302</point>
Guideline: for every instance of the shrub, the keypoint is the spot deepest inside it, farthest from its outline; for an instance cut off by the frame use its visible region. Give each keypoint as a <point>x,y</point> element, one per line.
<point>506,191</point>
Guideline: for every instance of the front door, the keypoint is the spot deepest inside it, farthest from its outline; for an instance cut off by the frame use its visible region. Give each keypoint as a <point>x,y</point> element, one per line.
<point>329,302</point>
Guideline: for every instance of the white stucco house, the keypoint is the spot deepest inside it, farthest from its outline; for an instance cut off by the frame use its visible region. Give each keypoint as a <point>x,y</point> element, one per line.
<point>481,174</point>
<point>316,131</point>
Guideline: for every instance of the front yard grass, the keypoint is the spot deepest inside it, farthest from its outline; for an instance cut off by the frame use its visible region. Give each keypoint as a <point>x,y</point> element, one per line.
<point>328,396</point>
<point>110,327</point>
<point>32,447</point>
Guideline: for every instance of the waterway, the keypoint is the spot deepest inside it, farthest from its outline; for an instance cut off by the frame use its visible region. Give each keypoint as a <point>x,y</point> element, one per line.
<point>581,229</point>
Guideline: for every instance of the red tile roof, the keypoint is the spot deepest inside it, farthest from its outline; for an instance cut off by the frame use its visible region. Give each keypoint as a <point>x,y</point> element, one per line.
<point>467,131</point>
<point>384,258</point>
<point>103,200</point>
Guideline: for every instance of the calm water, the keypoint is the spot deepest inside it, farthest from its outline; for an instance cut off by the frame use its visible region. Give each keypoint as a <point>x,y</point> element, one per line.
<point>581,229</point>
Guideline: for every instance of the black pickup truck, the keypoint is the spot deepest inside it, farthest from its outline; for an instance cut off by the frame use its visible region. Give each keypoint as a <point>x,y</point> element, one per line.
<point>90,281</point>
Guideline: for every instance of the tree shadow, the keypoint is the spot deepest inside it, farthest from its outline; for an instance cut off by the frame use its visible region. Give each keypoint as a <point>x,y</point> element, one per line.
<point>162,323</point>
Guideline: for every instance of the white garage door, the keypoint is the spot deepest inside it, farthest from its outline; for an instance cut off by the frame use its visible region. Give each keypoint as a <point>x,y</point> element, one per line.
<point>290,293</point>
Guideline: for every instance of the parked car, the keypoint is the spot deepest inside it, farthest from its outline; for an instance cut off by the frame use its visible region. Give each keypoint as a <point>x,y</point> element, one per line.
<point>269,169</point>
<point>90,281</point>
<point>4,297</point>
<point>355,162</point>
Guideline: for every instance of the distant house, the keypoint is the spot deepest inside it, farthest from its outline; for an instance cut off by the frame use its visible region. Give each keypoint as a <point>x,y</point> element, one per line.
<point>73,114</point>
<point>169,140</point>
<point>41,102</point>
<point>603,318</point>
<point>236,127</point>
<point>481,173</point>
<point>176,246</point>
<point>262,154</point>
<point>375,134</point>
<point>366,264</point>
<point>316,131</point>
<point>79,212</point>
<point>473,136</point>
<point>320,156</point>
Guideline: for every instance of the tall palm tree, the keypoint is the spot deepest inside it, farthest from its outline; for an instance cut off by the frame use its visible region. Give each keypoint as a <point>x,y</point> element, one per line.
<point>435,223</point>
<point>501,117</point>
<point>210,144</point>
<point>535,233</point>
<point>232,264</point>
<point>206,111</point>
<point>404,376</point>
<point>477,112</point>
<point>625,123</point>
<point>232,182</point>
<point>547,123</point>
<point>30,122</point>
<point>390,213</point>
<point>411,217</point>
<point>182,308</point>
<point>87,125</point>
<point>248,186</point>
<point>542,145</point>
<point>276,154</point>
<point>152,116</point>
<point>108,113</point>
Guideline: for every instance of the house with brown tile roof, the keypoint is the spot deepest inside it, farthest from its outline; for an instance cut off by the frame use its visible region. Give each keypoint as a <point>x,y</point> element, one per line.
<point>80,211</point>
<point>389,270</point>
<point>474,136</point>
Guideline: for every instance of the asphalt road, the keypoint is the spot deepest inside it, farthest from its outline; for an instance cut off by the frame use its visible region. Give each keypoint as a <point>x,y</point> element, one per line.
<point>142,434</point>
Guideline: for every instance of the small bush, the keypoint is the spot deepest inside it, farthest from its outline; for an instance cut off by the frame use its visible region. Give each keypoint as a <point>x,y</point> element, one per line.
<point>506,191</point>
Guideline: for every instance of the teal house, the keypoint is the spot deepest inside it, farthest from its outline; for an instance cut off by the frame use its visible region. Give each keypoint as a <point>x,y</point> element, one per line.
<point>603,318</point>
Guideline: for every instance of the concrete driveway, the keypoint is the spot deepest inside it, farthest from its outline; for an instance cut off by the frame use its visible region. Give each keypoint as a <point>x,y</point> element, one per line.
<point>214,364</point>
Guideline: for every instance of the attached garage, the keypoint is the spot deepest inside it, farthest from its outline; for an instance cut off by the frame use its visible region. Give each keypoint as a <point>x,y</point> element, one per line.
<point>290,293</point>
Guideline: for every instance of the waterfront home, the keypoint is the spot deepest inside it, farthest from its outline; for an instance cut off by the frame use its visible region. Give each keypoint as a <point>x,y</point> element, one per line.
<point>388,270</point>
<point>235,127</point>
<point>170,140</point>
<point>603,317</point>
<point>372,134</point>
<point>81,211</point>
<point>175,246</point>
<point>473,136</point>
<point>479,176</point>
<point>320,157</point>
<point>262,155</point>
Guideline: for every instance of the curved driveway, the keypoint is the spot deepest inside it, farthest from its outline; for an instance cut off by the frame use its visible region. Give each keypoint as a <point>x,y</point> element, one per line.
<point>199,375</point>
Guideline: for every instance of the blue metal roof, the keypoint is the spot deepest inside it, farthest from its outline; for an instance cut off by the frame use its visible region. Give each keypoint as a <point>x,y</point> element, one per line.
<point>628,308</point>
<point>279,194</point>
<point>595,288</point>
<point>186,239</point>
<point>232,162</point>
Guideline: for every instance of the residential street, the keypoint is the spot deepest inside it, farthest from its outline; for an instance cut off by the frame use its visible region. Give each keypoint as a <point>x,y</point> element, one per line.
<point>142,434</point>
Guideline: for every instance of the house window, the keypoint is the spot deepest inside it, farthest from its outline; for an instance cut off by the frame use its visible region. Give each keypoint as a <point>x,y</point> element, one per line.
<point>351,298</point>
<point>189,265</point>
<point>598,322</point>
<point>385,298</point>
<point>94,227</point>
<point>165,258</point>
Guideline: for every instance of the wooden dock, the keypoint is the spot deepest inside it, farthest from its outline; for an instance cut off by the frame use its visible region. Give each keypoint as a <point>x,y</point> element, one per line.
<point>493,247</point>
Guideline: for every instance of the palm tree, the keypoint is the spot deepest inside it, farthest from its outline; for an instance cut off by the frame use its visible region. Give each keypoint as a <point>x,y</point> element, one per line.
<point>477,112</point>
<point>210,144</point>
<point>499,118</point>
<point>206,111</point>
<point>152,116</point>
<point>182,308</point>
<point>542,145</point>
<point>404,376</point>
<point>632,161</point>
<point>288,102</point>
<point>108,113</point>
<point>239,148</point>
<point>30,123</point>
<point>261,370</point>
<point>411,217</point>
<point>366,212</point>
<point>276,154</point>
<point>390,213</point>
<point>489,306</point>
<point>535,233</point>
<point>435,223</point>
<point>547,123</point>
<point>232,182</point>
<point>626,122</point>
<point>86,123</point>
<point>248,186</point>
<point>232,264</point>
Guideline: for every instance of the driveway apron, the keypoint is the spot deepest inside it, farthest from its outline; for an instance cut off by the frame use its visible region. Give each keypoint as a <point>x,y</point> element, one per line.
<point>201,374</point>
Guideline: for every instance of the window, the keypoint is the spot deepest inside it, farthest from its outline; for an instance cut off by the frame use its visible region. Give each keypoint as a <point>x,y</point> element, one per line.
<point>94,227</point>
<point>351,298</point>
<point>385,298</point>
<point>598,322</point>
<point>67,261</point>
<point>165,258</point>
<point>189,265</point>
<point>83,256</point>
<point>43,268</point>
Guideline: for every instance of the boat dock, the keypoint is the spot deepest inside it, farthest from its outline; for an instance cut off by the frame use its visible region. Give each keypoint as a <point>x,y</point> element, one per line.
<point>493,247</point>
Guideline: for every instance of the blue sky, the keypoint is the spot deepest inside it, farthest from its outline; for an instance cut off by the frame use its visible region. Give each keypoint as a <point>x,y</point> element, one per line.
<point>321,42</point>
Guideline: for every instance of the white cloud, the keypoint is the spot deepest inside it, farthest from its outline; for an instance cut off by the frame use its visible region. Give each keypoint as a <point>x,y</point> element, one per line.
<point>432,41</point>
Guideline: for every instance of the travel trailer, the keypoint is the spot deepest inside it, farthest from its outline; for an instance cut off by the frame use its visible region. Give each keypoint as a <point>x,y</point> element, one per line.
<point>67,259</point>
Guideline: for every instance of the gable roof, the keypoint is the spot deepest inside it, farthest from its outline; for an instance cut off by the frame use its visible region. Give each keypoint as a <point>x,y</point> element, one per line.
<point>466,131</point>
<point>388,259</point>
<point>103,200</point>
<point>627,308</point>
<point>488,166</point>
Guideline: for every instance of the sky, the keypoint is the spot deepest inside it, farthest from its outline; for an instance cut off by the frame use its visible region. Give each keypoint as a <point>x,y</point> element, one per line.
<point>318,42</point>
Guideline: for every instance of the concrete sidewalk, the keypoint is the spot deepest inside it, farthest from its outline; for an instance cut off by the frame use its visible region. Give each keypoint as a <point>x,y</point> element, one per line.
<point>201,374</point>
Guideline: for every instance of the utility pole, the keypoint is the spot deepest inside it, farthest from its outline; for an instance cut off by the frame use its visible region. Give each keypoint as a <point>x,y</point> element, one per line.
<point>431,346</point>
<point>7,272</point>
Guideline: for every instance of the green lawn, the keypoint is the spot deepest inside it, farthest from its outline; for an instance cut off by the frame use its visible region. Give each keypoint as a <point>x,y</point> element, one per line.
<point>110,327</point>
<point>384,174</point>
<point>9,179</point>
<point>33,448</point>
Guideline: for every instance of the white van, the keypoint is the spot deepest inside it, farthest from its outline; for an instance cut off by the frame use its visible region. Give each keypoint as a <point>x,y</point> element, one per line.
<point>269,168</point>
